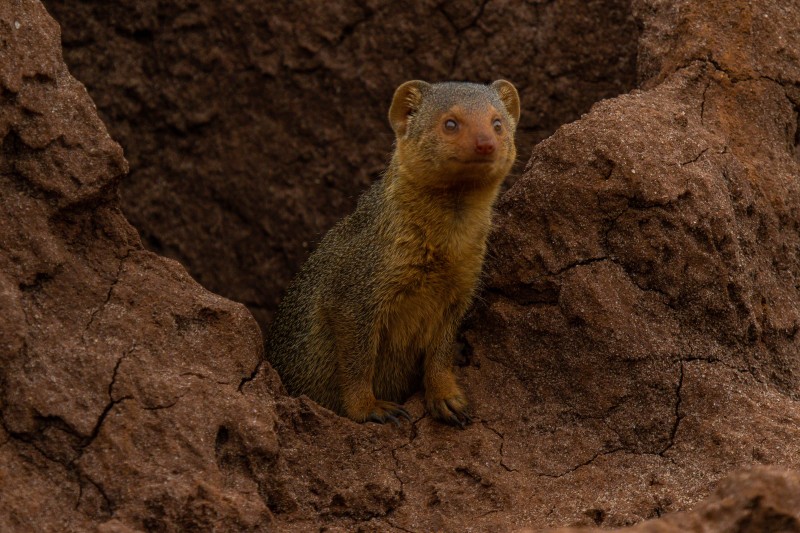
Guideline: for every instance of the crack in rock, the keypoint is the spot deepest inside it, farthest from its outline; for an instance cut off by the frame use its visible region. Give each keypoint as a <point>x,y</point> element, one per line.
<point>585,463</point>
<point>412,438</point>
<point>581,262</point>
<point>703,103</point>
<point>401,528</point>
<point>112,401</point>
<point>166,405</point>
<point>694,160</point>
<point>678,415</point>
<point>502,437</point>
<point>82,476</point>
<point>72,469</point>
<point>460,30</point>
<point>251,377</point>
<point>110,291</point>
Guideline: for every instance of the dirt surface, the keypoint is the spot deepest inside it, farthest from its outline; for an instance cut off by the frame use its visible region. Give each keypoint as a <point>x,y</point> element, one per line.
<point>251,127</point>
<point>634,354</point>
<point>759,500</point>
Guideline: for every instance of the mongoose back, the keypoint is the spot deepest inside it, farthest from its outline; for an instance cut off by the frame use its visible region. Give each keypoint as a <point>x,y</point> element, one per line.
<point>373,313</point>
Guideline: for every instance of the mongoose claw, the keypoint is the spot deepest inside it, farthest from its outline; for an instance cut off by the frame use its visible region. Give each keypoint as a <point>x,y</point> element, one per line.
<point>462,419</point>
<point>454,420</point>
<point>451,411</point>
<point>387,412</point>
<point>459,408</point>
<point>382,419</point>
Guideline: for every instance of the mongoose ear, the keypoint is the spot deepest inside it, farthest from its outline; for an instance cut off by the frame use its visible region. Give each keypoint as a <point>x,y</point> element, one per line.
<point>406,101</point>
<point>509,97</point>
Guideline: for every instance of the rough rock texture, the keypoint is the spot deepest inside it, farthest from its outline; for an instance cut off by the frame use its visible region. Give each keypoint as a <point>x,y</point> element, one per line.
<point>251,126</point>
<point>111,358</point>
<point>636,343</point>
<point>644,293</point>
<point>757,501</point>
<point>126,392</point>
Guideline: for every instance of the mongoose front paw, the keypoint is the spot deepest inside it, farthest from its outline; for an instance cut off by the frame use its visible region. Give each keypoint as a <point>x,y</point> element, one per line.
<point>450,410</point>
<point>383,411</point>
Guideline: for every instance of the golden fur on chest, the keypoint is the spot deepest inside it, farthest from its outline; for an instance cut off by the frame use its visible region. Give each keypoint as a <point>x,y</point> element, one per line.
<point>430,279</point>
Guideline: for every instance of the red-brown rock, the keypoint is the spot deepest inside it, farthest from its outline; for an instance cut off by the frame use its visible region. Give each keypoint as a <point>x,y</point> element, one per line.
<point>252,127</point>
<point>759,500</point>
<point>117,368</point>
<point>636,342</point>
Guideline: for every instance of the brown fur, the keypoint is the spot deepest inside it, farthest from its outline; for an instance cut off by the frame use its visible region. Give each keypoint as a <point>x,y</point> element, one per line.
<point>373,313</point>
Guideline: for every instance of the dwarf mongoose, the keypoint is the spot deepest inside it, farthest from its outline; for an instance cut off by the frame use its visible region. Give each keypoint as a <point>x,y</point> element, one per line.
<point>373,313</point>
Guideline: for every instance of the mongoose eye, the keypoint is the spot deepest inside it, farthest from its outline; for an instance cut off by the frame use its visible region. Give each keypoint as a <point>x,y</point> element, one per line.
<point>497,125</point>
<point>450,125</point>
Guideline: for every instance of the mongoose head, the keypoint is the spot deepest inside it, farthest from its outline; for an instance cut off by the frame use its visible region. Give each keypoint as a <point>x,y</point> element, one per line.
<point>455,135</point>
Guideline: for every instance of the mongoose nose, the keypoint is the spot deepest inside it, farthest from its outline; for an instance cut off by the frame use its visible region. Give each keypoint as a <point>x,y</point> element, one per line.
<point>485,145</point>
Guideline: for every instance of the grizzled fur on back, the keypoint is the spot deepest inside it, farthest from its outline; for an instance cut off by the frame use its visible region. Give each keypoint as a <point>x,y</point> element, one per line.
<point>351,249</point>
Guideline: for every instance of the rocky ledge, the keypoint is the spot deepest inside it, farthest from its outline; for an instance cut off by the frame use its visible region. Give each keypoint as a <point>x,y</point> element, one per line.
<point>634,355</point>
